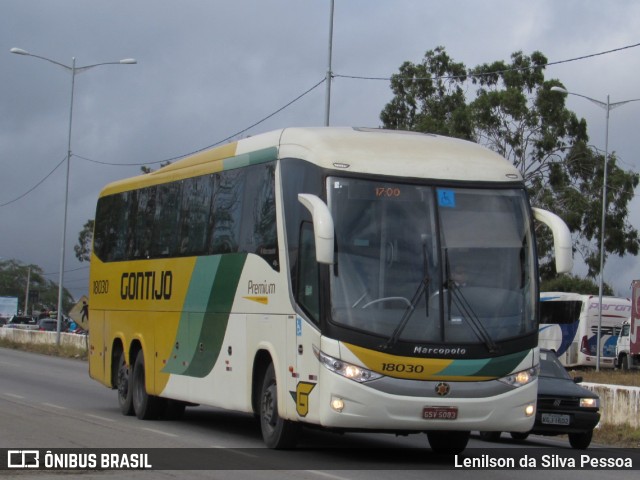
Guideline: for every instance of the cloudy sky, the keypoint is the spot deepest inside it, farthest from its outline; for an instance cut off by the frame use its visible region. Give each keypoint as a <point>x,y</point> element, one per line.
<point>208,69</point>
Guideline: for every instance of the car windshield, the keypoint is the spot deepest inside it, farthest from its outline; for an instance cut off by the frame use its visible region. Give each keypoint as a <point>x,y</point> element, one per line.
<point>550,366</point>
<point>424,264</point>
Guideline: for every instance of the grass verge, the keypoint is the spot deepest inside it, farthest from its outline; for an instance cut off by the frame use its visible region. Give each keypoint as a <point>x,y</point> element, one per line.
<point>621,436</point>
<point>66,351</point>
<point>630,378</point>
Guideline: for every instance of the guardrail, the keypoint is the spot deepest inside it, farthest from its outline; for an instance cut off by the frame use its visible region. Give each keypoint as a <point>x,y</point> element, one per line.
<point>619,404</point>
<point>20,335</point>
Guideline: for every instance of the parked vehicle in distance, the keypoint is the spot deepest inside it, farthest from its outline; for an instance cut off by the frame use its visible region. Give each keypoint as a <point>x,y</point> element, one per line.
<point>22,322</point>
<point>569,327</point>
<point>628,346</point>
<point>563,407</point>
<point>48,324</point>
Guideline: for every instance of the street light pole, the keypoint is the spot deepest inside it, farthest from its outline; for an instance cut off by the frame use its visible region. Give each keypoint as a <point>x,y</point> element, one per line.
<point>327,104</point>
<point>607,106</point>
<point>73,70</point>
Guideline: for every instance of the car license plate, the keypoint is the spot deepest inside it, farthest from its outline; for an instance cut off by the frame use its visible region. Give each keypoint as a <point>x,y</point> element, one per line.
<point>555,419</point>
<point>440,413</point>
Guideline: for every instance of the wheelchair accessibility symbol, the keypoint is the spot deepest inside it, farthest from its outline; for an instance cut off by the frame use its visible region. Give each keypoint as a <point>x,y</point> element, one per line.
<point>447,198</point>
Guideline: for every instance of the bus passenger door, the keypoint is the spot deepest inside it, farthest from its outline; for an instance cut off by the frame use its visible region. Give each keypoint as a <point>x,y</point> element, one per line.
<point>307,332</point>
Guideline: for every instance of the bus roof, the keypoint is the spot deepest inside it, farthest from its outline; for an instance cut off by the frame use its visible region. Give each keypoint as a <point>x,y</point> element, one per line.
<point>362,150</point>
<point>567,296</point>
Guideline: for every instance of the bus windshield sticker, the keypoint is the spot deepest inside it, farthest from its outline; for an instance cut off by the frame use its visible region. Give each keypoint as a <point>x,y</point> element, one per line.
<point>447,198</point>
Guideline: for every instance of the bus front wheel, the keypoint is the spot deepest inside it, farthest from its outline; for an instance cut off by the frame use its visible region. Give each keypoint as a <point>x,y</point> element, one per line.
<point>146,407</point>
<point>448,442</point>
<point>277,432</point>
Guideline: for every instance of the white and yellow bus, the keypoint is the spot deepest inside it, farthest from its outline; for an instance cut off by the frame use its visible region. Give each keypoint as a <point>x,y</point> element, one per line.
<point>352,279</point>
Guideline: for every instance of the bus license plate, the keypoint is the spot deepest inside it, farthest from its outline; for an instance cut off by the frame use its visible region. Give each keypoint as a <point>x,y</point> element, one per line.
<point>440,413</point>
<point>555,419</point>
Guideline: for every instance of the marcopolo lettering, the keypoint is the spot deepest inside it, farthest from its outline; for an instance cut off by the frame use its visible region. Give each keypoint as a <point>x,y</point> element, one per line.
<point>146,285</point>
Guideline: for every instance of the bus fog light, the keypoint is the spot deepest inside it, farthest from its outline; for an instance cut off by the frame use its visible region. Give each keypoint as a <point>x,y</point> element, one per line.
<point>529,410</point>
<point>337,404</point>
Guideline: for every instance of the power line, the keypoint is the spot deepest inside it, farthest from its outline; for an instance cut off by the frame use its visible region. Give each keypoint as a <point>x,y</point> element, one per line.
<point>66,271</point>
<point>237,134</point>
<point>173,158</point>
<point>35,186</point>
<point>354,77</point>
<point>514,69</point>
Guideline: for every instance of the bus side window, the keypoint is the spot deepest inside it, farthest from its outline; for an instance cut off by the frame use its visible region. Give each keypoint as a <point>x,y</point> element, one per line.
<point>308,285</point>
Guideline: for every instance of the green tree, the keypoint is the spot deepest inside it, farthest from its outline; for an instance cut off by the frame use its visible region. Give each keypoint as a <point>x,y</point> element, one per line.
<point>513,112</point>
<point>85,242</point>
<point>147,169</point>
<point>13,283</point>
<point>430,97</point>
<point>571,283</point>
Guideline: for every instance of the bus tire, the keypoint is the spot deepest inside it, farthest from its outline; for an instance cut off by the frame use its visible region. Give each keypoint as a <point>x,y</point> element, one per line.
<point>125,392</point>
<point>448,442</point>
<point>490,436</point>
<point>146,407</point>
<point>277,432</point>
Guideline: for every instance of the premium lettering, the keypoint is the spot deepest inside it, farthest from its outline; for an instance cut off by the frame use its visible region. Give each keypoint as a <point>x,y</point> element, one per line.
<point>261,288</point>
<point>146,285</point>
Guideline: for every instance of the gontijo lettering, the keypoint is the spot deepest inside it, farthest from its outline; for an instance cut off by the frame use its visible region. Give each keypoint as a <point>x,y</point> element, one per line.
<point>148,285</point>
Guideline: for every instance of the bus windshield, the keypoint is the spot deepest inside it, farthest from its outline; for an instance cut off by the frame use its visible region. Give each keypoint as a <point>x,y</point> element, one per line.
<point>418,263</point>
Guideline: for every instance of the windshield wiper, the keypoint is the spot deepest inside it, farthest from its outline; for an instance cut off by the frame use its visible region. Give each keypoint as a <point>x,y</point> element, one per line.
<point>422,288</point>
<point>466,309</point>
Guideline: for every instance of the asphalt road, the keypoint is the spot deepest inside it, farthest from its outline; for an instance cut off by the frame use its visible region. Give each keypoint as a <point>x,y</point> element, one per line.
<point>51,403</point>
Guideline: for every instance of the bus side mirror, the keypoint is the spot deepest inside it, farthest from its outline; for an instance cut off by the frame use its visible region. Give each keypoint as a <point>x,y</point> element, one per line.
<point>322,226</point>
<point>561,238</point>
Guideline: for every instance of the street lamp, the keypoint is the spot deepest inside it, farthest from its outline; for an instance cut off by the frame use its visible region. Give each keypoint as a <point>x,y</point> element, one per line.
<point>327,101</point>
<point>74,70</point>
<point>608,106</point>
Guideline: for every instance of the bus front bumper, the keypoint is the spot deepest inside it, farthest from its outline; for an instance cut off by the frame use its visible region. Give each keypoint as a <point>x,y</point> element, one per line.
<point>345,404</point>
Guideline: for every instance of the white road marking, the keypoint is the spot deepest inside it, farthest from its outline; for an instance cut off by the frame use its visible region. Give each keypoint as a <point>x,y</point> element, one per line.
<point>13,395</point>
<point>160,432</point>
<point>98,417</point>
<point>328,475</point>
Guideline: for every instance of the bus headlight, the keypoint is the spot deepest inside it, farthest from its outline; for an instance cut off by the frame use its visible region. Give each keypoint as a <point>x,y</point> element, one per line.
<point>521,378</point>
<point>345,369</point>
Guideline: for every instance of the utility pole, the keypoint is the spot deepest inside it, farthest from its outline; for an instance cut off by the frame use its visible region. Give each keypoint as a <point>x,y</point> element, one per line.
<point>327,106</point>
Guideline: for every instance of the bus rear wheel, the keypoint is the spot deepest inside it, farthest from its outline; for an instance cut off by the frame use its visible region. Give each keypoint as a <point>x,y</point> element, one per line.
<point>146,407</point>
<point>277,432</point>
<point>448,442</point>
<point>125,392</point>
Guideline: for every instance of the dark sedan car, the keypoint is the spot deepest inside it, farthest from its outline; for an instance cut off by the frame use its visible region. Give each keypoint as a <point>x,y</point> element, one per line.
<point>563,407</point>
<point>48,324</point>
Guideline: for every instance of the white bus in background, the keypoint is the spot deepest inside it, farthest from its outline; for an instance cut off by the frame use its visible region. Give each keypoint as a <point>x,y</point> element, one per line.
<point>569,326</point>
